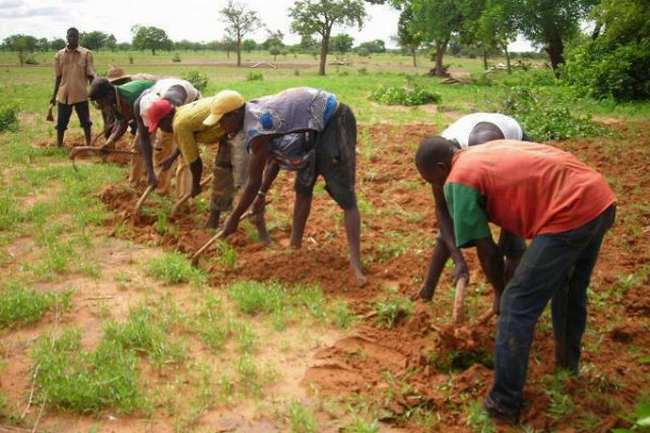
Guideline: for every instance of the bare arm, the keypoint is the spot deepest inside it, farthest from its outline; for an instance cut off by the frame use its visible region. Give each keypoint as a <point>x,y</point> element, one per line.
<point>447,229</point>
<point>492,263</point>
<point>255,174</point>
<point>144,144</point>
<point>270,173</point>
<point>119,128</point>
<point>57,83</point>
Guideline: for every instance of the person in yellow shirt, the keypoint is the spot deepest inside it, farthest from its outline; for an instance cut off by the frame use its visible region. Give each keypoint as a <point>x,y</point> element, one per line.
<point>186,123</point>
<point>73,66</point>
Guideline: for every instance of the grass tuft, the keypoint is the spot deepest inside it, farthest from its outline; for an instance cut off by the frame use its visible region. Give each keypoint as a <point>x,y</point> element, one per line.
<point>174,268</point>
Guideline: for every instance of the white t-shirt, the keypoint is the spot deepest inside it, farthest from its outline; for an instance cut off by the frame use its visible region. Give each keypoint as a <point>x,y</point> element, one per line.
<point>459,130</point>
<point>158,90</point>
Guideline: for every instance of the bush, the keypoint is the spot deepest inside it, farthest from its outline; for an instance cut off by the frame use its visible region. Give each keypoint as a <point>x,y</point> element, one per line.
<point>404,96</point>
<point>363,52</point>
<point>176,58</point>
<point>198,79</point>
<point>255,76</point>
<point>604,69</point>
<point>8,118</point>
<point>547,118</point>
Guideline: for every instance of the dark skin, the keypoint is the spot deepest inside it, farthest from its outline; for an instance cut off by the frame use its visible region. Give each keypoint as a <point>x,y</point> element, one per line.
<point>489,253</point>
<point>260,180</point>
<point>482,133</point>
<point>110,101</point>
<point>176,95</point>
<point>196,167</point>
<point>73,43</point>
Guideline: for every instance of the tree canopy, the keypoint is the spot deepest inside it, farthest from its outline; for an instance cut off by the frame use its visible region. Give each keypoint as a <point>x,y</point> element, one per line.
<point>150,38</point>
<point>311,17</point>
<point>239,22</point>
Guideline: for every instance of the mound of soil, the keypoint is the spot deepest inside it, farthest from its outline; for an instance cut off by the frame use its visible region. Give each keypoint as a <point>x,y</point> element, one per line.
<point>398,226</point>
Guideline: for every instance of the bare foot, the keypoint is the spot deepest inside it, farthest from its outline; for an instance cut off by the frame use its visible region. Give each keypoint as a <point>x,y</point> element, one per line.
<point>423,295</point>
<point>361,279</point>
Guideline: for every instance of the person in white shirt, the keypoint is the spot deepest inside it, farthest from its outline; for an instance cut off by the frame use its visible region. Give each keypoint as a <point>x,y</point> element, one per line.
<point>469,130</point>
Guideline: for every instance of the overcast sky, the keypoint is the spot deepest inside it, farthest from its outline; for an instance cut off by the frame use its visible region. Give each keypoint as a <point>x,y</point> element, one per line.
<point>195,20</point>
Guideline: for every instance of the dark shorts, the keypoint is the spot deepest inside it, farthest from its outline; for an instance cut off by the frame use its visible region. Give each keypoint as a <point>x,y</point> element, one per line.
<point>64,111</point>
<point>334,159</point>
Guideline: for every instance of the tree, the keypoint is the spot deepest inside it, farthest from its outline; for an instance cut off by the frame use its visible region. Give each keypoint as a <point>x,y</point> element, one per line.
<point>439,20</point>
<point>22,44</point>
<point>341,43</point>
<point>95,40</point>
<point>312,16</point>
<point>239,22</point>
<point>227,45</point>
<point>616,63</point>
<point>549,23</point>
<point>496,27</point>
<point>110,43</point>
<point>409,35</point>
<point>248,45</point>
<point>274,38</point>
<point>42,44</point>
<point>58,44</point>
<point>274,43</point>
<point>376,46</point>
<point>150,38</point>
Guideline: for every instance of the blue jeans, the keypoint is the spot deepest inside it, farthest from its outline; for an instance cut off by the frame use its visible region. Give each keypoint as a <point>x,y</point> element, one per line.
<point>558,267</point>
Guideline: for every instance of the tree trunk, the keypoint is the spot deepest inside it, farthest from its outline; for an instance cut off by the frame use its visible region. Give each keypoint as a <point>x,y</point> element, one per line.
<point>415,57</point>
<point>441,47</point>
<point>153,51</point>
<point>507,53</point>
<point>323,53</point>
<point>555,49</point>
<point>238,53</point>
<point>485,65</point>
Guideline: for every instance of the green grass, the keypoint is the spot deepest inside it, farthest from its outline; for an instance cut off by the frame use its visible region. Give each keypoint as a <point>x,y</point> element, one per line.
<point>146,332</point>
<point>301,419</point>
<point>561,405</point>
<point>393,309</point>
<point>72,379</point>
<point>360,425</point>
<point>21,305</point>
<point>283,304</point>
<point>174,268</point>
<point>478,420</point>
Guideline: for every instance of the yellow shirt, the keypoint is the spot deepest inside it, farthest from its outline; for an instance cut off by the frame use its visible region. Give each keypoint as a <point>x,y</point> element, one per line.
<point>74,67</point>
<point>189,128</point>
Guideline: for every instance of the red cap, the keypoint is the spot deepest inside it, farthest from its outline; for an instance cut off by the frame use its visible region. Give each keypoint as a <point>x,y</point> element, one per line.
<point>158,110</point>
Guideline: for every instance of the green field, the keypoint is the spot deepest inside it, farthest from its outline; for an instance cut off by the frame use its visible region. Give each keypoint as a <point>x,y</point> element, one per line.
<point>104,331</point>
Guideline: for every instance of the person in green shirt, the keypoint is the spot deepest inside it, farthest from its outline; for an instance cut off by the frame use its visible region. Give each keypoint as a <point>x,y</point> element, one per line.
<point>120,101</point>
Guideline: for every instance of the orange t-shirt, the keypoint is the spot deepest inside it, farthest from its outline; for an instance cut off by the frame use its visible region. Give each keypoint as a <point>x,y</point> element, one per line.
<point>527,189</point>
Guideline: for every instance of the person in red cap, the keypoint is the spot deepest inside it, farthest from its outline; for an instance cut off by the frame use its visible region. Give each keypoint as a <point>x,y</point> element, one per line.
<point>186,123</point>
<point>156,103</point>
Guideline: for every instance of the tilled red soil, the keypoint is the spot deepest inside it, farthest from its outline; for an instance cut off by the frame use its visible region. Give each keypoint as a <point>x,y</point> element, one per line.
<point>396,367</point>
